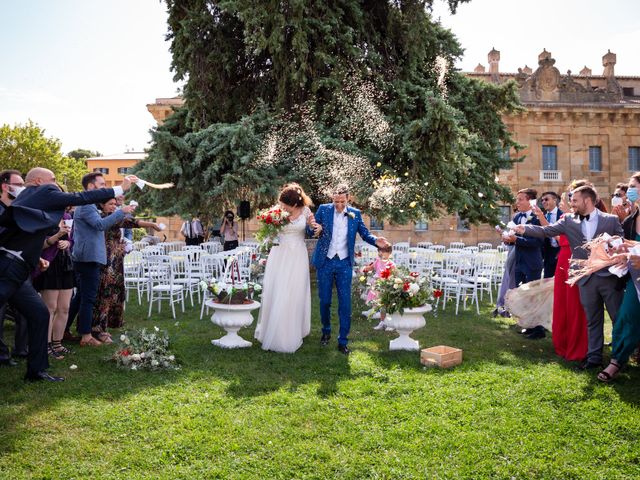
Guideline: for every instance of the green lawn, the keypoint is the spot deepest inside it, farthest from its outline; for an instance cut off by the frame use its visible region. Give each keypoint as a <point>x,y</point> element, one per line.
<point>511,410</point>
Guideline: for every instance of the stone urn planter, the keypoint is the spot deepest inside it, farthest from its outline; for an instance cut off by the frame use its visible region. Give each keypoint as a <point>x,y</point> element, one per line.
<point>405,323</point>
<point>232,318</point>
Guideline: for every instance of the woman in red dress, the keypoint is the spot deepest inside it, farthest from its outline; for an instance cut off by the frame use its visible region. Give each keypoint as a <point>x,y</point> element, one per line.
<point>569,322</point>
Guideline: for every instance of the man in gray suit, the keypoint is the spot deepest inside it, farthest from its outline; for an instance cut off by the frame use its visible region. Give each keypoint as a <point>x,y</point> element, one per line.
<point>599,289</point>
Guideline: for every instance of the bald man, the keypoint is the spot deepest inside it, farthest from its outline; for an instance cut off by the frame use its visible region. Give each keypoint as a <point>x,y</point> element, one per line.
<point>34,213</point>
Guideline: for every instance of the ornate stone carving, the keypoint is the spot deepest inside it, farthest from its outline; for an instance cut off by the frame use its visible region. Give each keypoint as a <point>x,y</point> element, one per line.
<point>546,84</point>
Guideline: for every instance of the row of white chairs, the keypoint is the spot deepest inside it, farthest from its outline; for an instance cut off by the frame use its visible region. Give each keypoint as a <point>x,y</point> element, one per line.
<point>161,276</point>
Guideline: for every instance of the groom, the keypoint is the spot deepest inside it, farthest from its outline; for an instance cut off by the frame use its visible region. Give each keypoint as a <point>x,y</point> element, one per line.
<point>336,224</point>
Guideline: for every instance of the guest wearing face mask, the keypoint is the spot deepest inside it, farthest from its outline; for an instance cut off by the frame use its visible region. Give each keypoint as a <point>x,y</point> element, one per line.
<point>10,183</point>
<point>620,204</point>
<point>626,329</point>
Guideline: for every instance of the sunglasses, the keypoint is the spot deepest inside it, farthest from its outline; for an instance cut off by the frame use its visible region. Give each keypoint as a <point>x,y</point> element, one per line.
<point>616,195</point>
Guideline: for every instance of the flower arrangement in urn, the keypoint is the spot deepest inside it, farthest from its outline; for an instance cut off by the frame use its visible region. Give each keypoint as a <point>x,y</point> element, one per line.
<point>231,293</point>
<point>398,289</point>
<point>145,349</point>
<point>234,292</point>
<point>271,221</point>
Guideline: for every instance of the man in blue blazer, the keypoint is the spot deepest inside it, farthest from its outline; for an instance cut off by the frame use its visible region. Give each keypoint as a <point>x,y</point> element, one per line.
<point>37,209</point>
<point>528,261</point>
<point>89,255</point>
<point>337,225</point>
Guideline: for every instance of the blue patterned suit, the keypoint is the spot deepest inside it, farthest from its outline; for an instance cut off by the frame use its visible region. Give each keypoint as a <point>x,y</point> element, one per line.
<point>332,270</point>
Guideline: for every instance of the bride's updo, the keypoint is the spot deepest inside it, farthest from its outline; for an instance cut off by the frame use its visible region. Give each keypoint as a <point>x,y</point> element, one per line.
<point>293,195</point>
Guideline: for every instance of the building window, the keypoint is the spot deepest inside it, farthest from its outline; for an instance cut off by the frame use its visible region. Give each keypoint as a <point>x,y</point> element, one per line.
<point>102,170</point>
<point>422,225</point>
<point>505,214</point>
<point>549,157</point>
<point>124,170</point>
<point>375,224</point>
<point>634,159</point>
<point>627,91</point>
<point>595,159</point>
<point>463,224</point>
<point>504,154</point>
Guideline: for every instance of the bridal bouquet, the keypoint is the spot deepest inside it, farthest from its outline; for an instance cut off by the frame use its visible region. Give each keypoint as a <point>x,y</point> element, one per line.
<point>271,221</point>
<point>145,349</point>
<point>398,289</point>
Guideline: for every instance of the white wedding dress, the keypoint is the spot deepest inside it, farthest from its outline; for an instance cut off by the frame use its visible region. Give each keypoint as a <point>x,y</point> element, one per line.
<point>285,315</point>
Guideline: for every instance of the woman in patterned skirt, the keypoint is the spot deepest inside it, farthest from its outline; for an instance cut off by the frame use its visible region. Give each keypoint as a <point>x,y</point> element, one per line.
<point>109,308</point>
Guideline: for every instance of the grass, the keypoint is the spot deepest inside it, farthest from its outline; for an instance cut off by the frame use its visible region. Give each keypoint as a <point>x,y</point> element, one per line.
<point>511,410</point>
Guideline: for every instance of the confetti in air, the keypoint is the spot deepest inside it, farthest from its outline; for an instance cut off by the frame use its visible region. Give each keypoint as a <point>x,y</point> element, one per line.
<point>442,67</point>
<point>324,159</point>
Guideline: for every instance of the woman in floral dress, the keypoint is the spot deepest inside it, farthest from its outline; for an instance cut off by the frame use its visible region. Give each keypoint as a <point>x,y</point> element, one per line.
<point>109,308</point>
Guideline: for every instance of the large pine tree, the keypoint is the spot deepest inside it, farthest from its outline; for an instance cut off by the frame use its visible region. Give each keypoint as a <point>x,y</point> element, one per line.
<point>323,92</point>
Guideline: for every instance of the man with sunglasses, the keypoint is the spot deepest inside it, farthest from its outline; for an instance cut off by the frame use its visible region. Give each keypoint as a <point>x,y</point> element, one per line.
<point>551,248</point>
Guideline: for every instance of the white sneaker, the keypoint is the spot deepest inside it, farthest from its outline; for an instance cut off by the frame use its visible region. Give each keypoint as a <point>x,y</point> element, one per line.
<point>380,326</point>
<point>389,329</point>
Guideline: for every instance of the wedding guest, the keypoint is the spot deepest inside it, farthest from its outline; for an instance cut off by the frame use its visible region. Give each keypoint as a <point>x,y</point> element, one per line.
<point>108,311</point>
<point>89,254</point>
<point>37,209</point>
<point>621,206</point>
<point>599,289</point>
<point>56,285</point>
<point>508,277</point>
<point>193,231</point>
<point>9,180</point>
<point>569,322</point>
<point>229,231</point>
<point>528,256</point>
<point>377,266</point>
<point>626,329</point>
<point>550,249</point>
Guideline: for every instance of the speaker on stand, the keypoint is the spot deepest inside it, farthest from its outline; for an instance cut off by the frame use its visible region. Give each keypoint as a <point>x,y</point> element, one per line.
<point>244,212</point>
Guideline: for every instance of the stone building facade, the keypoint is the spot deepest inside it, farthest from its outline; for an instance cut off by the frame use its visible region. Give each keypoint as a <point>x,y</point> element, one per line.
<point>573,126</point>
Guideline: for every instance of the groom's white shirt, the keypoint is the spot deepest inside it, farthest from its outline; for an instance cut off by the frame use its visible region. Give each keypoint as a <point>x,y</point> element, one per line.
<point>338,245</point>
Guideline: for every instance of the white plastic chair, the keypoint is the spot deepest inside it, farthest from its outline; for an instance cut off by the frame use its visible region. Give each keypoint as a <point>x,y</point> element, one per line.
<point>161,272</point>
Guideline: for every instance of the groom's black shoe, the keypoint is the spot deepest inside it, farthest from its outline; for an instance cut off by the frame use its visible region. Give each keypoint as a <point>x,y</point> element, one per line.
<point>324,341</point>
<point>344,349</point>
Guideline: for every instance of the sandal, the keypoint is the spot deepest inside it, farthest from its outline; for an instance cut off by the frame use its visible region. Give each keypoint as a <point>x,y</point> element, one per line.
<point>53,352</point>
<point>58,347</point>
<point>91,342</point>
<point>605,376</point>
<point>102,337</point>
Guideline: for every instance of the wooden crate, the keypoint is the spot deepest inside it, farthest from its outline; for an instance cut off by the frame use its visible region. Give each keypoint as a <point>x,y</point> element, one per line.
<point>441,356</point>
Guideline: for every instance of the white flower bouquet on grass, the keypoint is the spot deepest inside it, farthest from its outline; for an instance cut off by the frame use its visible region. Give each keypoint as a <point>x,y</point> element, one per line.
<point>145,350</point>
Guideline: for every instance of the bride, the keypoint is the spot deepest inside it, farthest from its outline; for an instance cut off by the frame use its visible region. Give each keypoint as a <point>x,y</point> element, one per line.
<point>285,315</point>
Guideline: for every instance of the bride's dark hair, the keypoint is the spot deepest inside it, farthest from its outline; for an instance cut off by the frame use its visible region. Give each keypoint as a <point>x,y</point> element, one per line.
<point>293,195</point>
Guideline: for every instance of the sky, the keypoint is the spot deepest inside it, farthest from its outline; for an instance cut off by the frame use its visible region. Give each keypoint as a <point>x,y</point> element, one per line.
<point>84,70</point>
